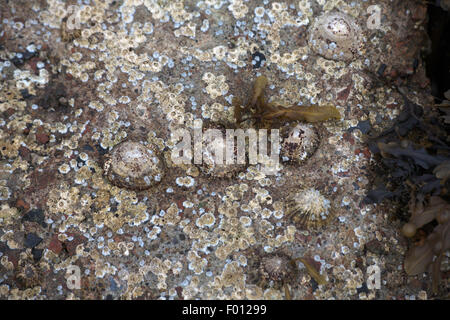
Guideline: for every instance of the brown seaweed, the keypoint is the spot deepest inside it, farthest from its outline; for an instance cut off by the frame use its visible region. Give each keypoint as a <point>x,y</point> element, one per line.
<point>415,163</point>
<point>427,255</point>
<point>265,114</point>
<point>418,156</point>
<point>413,149</point>
<point>442,171</point>
<point>313,272</point>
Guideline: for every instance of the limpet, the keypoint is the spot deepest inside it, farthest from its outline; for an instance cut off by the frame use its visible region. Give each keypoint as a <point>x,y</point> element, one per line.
<point>134,166</point>
<point>300,144</point>
<point>335,36</point>
<point>308,208</point>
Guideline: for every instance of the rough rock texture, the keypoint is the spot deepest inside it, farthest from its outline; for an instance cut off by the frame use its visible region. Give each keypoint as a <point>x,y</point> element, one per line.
<point>79,77</point>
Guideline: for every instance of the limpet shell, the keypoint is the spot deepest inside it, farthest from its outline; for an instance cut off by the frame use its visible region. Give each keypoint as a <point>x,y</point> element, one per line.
<point>308,208</point>
<point>134,166</point>
<point>300,144</point>
<point>276,267</point>
<point>335,36</point>
<point>209,164</point>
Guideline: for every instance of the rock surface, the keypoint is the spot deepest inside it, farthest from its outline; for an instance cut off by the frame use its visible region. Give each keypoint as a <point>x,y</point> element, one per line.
<point>78,81</point>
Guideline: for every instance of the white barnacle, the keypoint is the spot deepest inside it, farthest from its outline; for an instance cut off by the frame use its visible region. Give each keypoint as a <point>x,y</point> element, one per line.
<point>64,168</point>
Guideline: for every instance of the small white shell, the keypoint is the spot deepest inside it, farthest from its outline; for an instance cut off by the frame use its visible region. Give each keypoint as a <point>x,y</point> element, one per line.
<point>335,36</point>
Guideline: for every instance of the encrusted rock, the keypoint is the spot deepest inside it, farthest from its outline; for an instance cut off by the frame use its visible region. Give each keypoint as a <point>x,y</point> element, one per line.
<point>134,166</point>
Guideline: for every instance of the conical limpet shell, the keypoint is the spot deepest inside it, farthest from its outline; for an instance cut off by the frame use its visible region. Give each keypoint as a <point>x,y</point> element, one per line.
<point>134,166</point>
<point>335,36</point>
<point>277,267</point>
<point>308,208</point>
<point>300,144</point>
<point>210,165</point>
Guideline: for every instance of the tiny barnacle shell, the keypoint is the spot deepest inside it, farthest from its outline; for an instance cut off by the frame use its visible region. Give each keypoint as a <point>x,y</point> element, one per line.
<point>300,144</point>
<point>276,267</point>
<point>28,276</point>
<point>308,208</point>
<point>335,36</point>
<point>134,166</point>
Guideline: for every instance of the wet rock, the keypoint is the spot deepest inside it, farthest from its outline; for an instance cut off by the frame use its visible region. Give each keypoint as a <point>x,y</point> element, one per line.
<point>41,136</point>
<point>35,215</point>
<point>54,97</point>
<point>55,245</point>
<point>32,240</point>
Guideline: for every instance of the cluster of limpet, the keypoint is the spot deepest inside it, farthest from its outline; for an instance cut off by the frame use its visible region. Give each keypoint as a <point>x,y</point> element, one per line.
<point>300,144</point>
<point>308,208</point>
<point>134,166</point>
<point>335,36</point>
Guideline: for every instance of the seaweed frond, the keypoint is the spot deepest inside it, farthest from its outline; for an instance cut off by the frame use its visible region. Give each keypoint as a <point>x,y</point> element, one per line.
<point>415,163</point>
<point>266,114</point>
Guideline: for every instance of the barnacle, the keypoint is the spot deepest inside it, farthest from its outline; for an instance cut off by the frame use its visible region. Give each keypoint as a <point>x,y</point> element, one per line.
<point>67,34</point>
<point>134,166</point>
<point>308,208</point>
<point>8,214</point>
<point>335,36</point>
<point>267,114</point>
<point>28,274</point>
